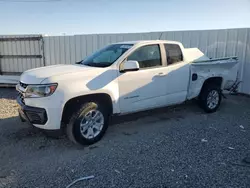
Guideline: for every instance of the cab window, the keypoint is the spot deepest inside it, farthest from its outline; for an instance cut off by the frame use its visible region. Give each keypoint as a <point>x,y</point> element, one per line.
<point>173,53</point>
<point>147,56</point>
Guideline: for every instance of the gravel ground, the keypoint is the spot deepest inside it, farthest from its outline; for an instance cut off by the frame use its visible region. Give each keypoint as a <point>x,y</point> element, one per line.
<point>169,147</point>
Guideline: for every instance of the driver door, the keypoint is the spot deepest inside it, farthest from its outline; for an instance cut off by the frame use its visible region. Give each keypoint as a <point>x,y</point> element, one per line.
<point>145,88</point>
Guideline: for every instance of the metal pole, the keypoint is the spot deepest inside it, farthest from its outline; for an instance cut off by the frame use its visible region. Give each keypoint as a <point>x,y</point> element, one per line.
<point>42,48</point>
<point>0,64</point>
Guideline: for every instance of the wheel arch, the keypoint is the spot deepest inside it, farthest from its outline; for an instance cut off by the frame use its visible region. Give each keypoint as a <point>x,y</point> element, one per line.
<point>211,84</point>
<point>218,80</point>
<point>74,103</point>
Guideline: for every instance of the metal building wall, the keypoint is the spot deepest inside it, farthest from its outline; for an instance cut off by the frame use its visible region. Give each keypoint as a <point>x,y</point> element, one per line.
<point>18,53</point>
<point>214,43</point>
<point>70,49</point>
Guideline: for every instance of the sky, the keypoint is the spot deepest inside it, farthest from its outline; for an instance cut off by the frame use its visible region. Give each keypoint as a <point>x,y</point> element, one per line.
<point>69,17</point>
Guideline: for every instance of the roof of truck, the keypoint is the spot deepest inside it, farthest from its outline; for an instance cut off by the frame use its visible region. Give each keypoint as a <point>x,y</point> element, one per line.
<point>148,41</point>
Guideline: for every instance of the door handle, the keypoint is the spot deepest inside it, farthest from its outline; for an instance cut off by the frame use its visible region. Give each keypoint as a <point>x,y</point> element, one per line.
<point>160,74</point>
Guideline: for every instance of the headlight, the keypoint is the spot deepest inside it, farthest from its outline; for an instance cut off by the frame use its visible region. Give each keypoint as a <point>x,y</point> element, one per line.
<point>34,91</point>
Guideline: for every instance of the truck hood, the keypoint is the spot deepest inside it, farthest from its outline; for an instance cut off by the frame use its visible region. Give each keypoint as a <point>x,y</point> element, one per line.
<point>36,76</point>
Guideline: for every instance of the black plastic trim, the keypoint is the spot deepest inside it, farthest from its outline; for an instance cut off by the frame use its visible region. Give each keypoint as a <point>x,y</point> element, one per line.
<point>26,112</point>
<point>21,56</point>
<point>130,70</point>
<point>32,38</point>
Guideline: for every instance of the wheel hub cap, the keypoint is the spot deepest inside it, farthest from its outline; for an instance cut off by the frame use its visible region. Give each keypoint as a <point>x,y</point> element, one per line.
<point>212,99</point>
<point>92,124</point>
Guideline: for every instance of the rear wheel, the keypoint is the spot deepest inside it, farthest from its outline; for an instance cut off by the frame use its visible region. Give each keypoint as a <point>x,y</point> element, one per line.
<point>88,124</point>
<point>210,98</point>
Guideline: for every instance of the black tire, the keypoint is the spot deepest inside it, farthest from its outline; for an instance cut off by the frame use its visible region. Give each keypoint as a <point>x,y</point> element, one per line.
<point>73,128</point>
<point>203,97</point>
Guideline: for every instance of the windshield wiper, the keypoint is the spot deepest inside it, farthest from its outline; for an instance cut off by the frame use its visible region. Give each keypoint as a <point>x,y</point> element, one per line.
<point>91,64</point>
<point>78,62</point>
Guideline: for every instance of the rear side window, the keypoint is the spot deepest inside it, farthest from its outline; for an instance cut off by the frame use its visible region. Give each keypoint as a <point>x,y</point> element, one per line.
<point>173,53</point>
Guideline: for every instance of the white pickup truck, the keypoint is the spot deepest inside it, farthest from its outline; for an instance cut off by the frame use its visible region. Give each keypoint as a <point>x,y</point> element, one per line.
<point>121,78</point>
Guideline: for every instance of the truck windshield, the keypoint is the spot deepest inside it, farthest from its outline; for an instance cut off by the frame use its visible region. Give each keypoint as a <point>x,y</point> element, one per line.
<point>106,56</point>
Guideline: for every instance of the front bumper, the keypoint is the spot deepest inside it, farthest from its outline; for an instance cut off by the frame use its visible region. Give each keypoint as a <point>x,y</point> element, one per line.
<point>33,115</point>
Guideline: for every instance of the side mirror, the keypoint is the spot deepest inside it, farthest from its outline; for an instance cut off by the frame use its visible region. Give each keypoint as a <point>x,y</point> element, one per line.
<point>129,66</point>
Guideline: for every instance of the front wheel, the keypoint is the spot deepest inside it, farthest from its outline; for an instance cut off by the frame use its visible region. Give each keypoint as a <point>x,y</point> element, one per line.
<point>210,98</point>
<point>88,124</point>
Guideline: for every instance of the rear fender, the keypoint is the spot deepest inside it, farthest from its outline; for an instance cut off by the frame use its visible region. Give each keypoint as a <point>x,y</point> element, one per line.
<point>200,72</point>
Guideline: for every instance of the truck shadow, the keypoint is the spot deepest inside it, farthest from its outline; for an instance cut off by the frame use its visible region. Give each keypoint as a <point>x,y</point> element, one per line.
<point>102,80</point>
<point>159,114</point>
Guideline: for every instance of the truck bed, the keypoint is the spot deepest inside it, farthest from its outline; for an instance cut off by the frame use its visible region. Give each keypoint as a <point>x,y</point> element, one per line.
<point>216,60</point>
<point>226,67</point>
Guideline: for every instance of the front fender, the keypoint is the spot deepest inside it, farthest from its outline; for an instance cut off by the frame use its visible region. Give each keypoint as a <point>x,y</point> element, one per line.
<point>75,85</point>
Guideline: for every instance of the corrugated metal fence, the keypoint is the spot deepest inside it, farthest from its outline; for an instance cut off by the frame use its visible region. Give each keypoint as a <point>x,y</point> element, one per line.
<point>214,43</point>
<point>20,52</point>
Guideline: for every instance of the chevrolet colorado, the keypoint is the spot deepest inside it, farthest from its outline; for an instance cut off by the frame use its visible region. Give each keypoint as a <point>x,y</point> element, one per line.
<point>121,78</point>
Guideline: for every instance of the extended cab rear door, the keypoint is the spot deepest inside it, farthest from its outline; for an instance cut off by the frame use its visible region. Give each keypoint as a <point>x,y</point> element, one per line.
<point>177,74</point>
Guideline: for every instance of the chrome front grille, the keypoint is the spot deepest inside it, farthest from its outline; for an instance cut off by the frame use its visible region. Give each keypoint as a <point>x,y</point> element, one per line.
<point>23,85</point>
<point>21,90</point>
<point>20,95</point>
